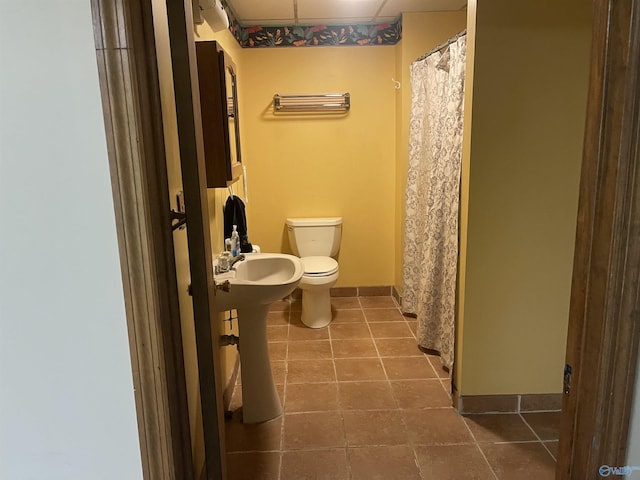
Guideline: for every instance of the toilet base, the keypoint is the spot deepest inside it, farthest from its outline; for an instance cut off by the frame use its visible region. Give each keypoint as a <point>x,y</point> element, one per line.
<point>316,307</point>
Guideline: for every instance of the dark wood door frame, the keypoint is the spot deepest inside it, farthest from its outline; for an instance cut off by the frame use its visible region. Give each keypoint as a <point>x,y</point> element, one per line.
<point>602,345</point>
<point>130,90</point>
<point>192,161</point>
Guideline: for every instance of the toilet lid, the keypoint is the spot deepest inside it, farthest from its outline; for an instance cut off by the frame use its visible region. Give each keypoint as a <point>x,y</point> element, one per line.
<point>319,265</point>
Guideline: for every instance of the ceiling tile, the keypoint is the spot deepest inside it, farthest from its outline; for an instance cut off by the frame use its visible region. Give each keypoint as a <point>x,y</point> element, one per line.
<point>271,22</point>
<point>334,21</point>
<point>332,12</point>
<point>385,19</point>
<point>334,9</point>
<point>395,7</point>
<point>257,12</point>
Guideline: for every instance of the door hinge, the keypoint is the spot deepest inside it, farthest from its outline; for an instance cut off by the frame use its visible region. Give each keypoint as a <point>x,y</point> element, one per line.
<point>566,384</point>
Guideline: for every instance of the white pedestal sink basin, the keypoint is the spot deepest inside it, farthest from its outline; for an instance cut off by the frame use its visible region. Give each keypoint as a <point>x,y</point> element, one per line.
<point>254,283</point>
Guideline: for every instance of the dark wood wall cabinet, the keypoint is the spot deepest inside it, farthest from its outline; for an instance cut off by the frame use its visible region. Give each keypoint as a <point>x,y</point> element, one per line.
<point>219,108</point>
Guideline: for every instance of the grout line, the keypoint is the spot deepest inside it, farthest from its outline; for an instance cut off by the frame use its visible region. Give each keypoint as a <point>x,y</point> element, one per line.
<point>284,391</point>
<point>335,374</point>
<point>410,442</point>
<point>538,437</point>
<point>477,444</point>
<point>541,411</point>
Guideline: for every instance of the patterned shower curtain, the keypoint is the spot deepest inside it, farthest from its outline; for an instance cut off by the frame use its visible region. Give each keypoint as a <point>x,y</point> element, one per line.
<point>433,192</point>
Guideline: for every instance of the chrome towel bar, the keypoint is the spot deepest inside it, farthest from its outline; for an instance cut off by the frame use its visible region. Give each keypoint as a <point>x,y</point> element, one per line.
<point>330,102</point>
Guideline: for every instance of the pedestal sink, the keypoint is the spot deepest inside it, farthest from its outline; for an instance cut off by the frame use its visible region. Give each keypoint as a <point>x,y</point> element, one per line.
<point>254,283</point>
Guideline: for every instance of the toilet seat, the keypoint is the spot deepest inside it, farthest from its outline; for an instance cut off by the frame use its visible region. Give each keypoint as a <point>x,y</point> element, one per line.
<point>319,266</point>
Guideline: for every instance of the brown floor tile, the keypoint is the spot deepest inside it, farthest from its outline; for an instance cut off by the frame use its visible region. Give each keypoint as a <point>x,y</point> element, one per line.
<point>310,350</point>
<point>407,368</point>
<point>340,303</point>
<point>552,446</point>
<point>365,395</point>
<point>278,371</point>
<point>390,330</point>
<point>236,400</point>
<point>354,348</point>
<point>280,318</point>
<point>398,347</point>
<point>413,326</point>
<point>253,466</point>
<point>359,369</point>
<point>383,463</point>
<point>420,394</point>
<point>349,331</point>
<point>374,427</point>
<point>310,371</point>
<point>438,426</point>
<point>522,461</point>
<point>299,331</point>
<point>313,430</point>
<point>347,316</point>
<point>311,397</point>
<point>377,302</point>
<point>315,465</point>
<point>453,462</point>
<point>499,427</point>
<point>383,315</point>
<point>277,351</point>
<point>262,437</point>
<point>296,304</point>
<point>277,333</point>
<point>279,306</point>
<point>545,424</point>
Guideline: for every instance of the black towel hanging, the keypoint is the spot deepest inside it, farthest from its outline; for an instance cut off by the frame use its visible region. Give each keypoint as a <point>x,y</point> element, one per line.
<point>234,214</point>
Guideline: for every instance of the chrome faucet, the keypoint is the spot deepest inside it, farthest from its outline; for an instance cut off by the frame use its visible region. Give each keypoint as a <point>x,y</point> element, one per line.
<point>235,260</point>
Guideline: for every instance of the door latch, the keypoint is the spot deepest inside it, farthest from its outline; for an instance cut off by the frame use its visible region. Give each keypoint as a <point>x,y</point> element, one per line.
<point>566,384</point>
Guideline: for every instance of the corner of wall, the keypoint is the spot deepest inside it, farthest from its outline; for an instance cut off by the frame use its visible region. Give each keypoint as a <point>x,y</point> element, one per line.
<point>464,189</point>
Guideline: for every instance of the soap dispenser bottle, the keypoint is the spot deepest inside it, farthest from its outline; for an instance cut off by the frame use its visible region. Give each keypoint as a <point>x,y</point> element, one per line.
<point>235,241</point>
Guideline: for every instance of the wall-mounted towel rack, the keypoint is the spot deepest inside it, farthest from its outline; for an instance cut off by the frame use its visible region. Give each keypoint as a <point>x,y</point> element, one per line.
<point>329,102</point>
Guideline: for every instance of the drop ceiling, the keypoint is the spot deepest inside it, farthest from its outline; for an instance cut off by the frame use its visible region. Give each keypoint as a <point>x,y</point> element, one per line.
<point>332,12</point>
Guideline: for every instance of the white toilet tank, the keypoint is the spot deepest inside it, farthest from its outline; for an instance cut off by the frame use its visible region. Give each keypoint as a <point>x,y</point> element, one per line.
<point>315,236</point>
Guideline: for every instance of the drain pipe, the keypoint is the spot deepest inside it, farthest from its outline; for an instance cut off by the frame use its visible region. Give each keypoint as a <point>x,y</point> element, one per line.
<point>226,340</point>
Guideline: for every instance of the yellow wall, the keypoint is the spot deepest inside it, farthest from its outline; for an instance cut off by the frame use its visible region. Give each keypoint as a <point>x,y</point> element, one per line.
<point>529,98</point>
<point>323,165</point>
<point>421,32</point>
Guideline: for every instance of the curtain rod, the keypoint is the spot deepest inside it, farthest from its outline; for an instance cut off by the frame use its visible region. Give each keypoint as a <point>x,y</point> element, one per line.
<point>443,45</point>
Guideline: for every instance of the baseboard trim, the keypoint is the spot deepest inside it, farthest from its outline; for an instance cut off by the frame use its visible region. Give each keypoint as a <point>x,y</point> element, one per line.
<point>368,291</point>
<point>395,294</point>
<point>514,403</point>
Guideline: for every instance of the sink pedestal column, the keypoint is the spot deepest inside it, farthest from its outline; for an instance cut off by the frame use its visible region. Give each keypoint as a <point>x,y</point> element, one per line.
<point>260,401</point>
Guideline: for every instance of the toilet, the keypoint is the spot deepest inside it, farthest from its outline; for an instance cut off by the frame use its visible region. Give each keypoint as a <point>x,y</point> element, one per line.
<point>315,241</point>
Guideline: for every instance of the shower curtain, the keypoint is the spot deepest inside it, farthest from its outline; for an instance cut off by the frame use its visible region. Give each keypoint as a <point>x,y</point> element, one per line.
<point>430,259</point>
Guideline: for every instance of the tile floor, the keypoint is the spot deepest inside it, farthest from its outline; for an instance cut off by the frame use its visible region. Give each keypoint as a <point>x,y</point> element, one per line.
<point>361,402</point>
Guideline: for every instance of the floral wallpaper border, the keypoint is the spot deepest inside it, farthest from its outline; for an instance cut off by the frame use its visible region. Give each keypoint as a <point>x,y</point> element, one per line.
<point>316,35</point>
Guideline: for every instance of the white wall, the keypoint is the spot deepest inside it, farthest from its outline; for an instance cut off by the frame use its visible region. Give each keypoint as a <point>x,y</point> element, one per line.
<point>66,395</point>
